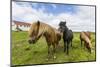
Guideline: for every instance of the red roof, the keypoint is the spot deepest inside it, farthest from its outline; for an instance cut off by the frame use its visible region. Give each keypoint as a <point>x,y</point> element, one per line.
<point>21,23</point>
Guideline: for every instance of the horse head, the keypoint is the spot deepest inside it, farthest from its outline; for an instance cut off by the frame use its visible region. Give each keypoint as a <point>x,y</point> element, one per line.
<point>34,32</point>
<point>62,26</point>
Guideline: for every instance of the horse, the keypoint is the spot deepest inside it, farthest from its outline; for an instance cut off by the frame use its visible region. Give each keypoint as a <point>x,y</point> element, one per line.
<point>86,38</point>
<point>67,35</point>
<point>51,35</point>
<point>88,34</point>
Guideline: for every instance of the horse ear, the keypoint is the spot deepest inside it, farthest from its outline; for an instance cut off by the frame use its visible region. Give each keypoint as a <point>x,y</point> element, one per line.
<point>38,23</point>
<point>65,23</point>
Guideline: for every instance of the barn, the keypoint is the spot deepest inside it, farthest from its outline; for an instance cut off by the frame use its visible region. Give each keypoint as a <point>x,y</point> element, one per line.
<point>20,26</point>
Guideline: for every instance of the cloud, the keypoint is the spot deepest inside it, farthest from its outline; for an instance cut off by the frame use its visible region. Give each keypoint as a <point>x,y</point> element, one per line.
<point>54,6</point>
<point>82,20</point>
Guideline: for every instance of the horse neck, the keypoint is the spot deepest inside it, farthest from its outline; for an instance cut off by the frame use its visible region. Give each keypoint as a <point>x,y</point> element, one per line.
<point>66,30</point>
<point>88,41</point>
<point>43,30</point>
<point>40,31</point>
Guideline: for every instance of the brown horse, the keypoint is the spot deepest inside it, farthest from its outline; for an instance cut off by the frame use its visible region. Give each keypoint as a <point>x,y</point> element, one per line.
<point>84,36</point>
<point>88,34</point>
<point>51,35</point>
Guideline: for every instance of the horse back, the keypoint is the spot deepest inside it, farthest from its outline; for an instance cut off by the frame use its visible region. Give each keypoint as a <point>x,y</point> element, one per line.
<point>71,33</point>
<point>88,34</point>
<point>84,36</point>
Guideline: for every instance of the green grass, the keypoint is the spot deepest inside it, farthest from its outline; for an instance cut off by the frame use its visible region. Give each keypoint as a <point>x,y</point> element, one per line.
<point>25,53</point>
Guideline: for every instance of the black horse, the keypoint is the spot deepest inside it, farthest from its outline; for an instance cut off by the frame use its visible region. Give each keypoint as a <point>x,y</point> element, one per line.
<point>67,35</point>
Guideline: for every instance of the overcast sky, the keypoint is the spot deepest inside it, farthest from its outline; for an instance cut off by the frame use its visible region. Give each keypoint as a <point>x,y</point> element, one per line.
<point>78,18</point>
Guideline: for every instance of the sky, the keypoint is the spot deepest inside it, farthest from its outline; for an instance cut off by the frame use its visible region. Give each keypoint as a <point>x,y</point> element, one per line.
<point>78,17</point>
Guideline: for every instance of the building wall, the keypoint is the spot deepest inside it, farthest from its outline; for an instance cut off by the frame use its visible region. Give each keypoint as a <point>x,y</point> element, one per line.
<point>14,27</point>
<point>22,27</point>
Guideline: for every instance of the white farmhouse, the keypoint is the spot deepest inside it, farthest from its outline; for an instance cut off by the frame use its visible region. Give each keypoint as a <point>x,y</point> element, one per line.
<point>20,26</point>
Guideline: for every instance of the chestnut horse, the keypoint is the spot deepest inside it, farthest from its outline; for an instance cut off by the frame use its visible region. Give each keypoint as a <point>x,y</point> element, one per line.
<point>85,36</point>
<point>51,35</point>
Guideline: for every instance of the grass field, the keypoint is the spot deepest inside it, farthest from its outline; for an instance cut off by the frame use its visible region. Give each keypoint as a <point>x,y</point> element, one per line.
<point>24,53</point>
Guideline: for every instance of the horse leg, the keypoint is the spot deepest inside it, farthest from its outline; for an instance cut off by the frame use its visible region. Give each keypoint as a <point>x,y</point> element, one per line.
<point>48,51</point>
<point>71,43</point>
<point>68,48</point>
<point>81,43</point>
<point>64,46</point>
<point>89,50</point>
<point>54,50</point>
<point>57,45</point>
<point>86,46</point>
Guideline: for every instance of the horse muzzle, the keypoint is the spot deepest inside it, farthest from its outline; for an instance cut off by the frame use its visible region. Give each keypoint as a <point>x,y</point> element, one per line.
<point>31,41</point>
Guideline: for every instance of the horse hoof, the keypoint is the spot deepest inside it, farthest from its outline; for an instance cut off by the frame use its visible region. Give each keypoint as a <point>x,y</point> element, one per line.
<point>91,51</point>
<point>67,54</point>
<point>47,59</point>
<point>27,49</point>
<point>54,57</point>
